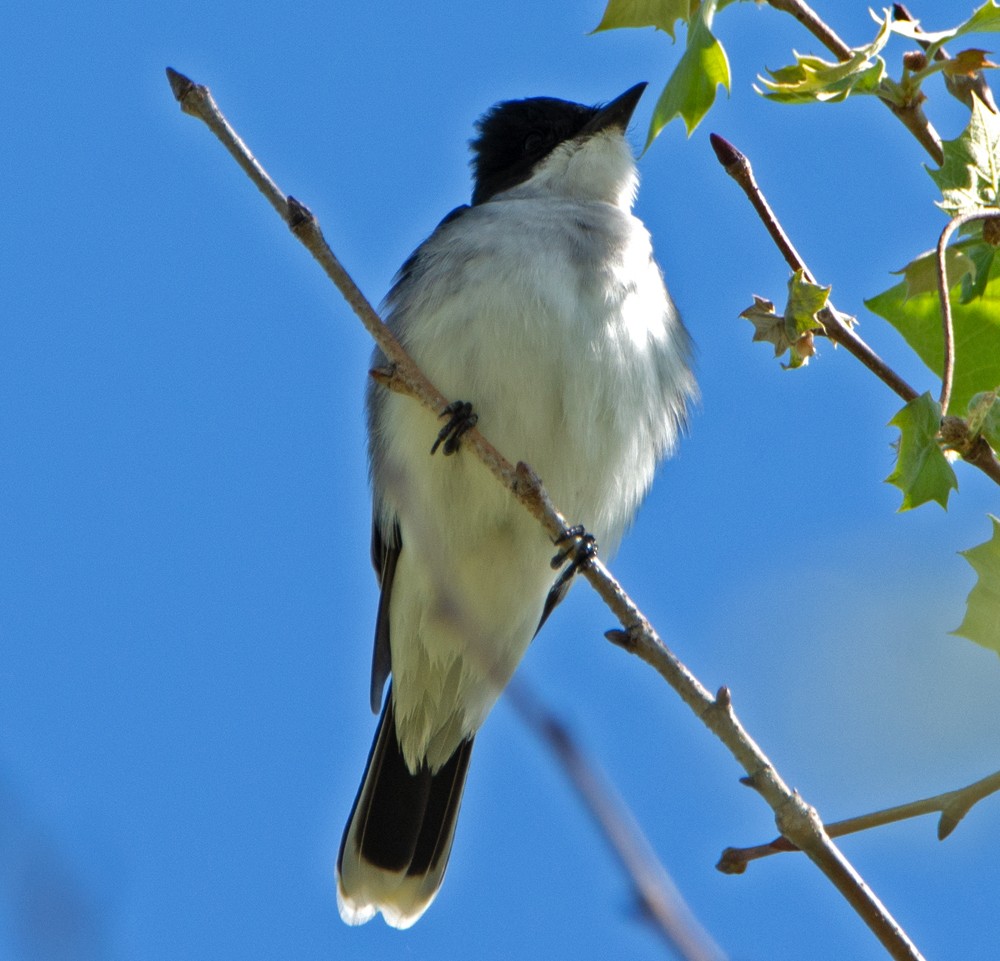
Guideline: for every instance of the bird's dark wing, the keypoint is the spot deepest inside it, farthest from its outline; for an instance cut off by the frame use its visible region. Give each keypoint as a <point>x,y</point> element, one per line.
<point>556,595</point>
<point>385,553</point>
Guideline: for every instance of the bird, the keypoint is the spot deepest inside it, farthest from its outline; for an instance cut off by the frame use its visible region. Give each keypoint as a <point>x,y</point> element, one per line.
<point>541,306</point>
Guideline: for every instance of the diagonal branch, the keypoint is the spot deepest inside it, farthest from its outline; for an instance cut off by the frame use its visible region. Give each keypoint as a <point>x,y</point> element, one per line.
<point>954,432</point>
<point>796,820</point>
<point>951,805</point>
<point>737,165</point>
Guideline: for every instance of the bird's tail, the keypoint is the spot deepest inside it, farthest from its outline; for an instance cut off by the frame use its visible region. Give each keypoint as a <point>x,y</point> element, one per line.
<point>396,844</point>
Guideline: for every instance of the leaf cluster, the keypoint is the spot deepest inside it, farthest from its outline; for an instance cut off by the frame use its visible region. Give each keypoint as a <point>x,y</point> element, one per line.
<point>947,305</point>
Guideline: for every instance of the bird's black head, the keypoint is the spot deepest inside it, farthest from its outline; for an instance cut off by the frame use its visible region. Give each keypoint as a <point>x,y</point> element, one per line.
<point>514,136</point>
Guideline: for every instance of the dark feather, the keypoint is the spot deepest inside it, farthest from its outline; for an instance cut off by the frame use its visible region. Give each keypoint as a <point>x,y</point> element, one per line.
<point>405,821</point>
<point>384,557</point>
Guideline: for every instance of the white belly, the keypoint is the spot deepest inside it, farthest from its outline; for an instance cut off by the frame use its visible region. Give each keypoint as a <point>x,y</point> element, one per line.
<point>575,372</point>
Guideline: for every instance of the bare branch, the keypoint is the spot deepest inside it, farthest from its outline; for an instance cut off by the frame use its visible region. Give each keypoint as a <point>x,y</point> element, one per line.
<point>911,115</point>
<point>952,806</point>
<point>816,26</point>
<point>795,819</point>
<point>738,167</point>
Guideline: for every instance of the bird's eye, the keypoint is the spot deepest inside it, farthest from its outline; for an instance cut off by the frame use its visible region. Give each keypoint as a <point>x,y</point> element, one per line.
<point>533,142</point>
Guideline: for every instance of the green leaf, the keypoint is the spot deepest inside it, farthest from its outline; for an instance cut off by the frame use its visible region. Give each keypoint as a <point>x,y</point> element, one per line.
<point>662,14</point>
<point>986,19</point>
<point>921,273</point>
<point>982,611</point>
<point>793,330</point>
<point>974,283</point>
<point>811,79</point>
<point>922,472</point>
<point>690,91</point>
<point>977,330</point>
<point>969,177</point>
<point>805,301</point>
<point>984,417</point>
<point>769,327</point>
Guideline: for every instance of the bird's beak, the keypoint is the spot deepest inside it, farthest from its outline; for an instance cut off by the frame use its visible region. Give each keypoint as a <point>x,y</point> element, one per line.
<point>617,114</point>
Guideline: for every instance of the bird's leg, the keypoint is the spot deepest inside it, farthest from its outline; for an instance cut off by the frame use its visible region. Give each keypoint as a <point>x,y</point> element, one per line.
<point>580,549</point>
<point>461,419</point>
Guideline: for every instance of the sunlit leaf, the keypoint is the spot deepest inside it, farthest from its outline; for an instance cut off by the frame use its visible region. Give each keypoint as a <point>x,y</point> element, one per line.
<point>983,417</point>
<point>921,273</point>
<point>982,613</point>
<point>662,14</point>
<point>811,79</point>
<point>974,284</point>
<point>969,176</point>
<point>976,324</point>
<point>805,301</point>
<point>922,472</point>
<point>986,19</point>
<point>690,91</point>
<point>967,63</point>
<point>793,330</point>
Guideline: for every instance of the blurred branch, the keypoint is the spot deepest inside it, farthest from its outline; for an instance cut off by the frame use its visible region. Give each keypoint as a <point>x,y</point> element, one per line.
<point>795,819</point>
<point>976,452</point>
<point>658,897</point>
<point>47,909</point>
<point>911,114</point>
<point>952,805</point>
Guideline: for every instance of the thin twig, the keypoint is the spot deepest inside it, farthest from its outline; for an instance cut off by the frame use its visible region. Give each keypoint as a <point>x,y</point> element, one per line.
<point>911,115</point>
<point>738,167</point>
<point>973,451</point>
<point>815,25</point>
<point>659,899</point>
<point>952,806</point>
<point>947,327</point>
<point>795,819</point>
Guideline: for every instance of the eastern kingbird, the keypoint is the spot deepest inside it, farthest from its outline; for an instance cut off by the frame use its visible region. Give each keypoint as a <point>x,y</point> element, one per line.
<point>541,304</point>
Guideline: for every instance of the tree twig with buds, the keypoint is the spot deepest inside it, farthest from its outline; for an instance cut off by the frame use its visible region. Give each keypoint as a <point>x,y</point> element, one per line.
<point>911,115</point>
<point>961,86</point>
<point>974,451</point>
<point>951,805</point>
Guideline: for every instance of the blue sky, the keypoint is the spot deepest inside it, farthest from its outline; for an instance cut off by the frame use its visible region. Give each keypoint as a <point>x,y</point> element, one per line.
<point>187,607</point>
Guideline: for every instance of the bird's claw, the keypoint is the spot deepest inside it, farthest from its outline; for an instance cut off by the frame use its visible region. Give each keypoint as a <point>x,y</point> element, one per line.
<point>580,549</point>
<point>461,419</point>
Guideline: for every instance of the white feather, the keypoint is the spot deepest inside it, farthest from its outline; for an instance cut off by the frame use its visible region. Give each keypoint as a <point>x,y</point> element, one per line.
<point>545,309</point>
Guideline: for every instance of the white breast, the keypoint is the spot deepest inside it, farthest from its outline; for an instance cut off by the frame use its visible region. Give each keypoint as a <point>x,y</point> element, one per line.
<point>551,317</point>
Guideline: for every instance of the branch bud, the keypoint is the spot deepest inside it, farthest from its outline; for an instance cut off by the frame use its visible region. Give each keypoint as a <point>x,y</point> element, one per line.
<point>991,231</point>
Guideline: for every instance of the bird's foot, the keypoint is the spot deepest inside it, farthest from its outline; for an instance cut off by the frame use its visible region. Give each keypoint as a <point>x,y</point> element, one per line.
<point>461,419</point>
<point>578,547</point>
